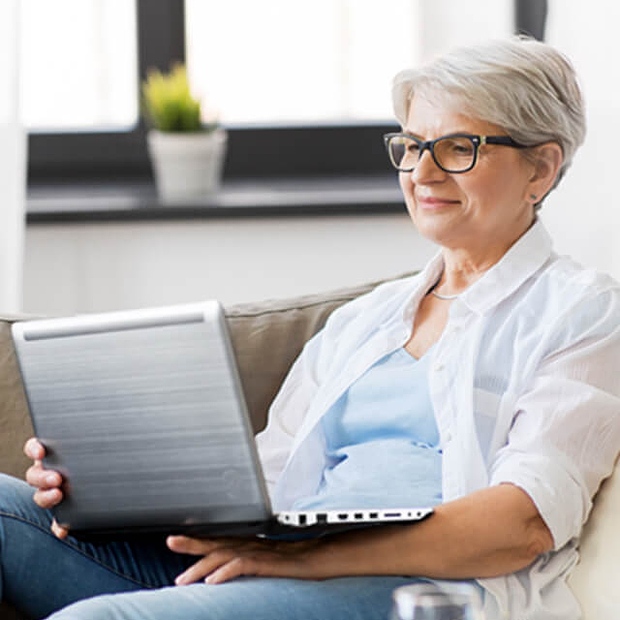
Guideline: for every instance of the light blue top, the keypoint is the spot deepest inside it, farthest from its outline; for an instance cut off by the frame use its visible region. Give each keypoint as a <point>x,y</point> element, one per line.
<point>382,441</point>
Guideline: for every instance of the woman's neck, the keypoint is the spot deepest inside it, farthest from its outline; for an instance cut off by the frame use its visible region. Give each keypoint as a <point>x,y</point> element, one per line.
<point>463,267</point>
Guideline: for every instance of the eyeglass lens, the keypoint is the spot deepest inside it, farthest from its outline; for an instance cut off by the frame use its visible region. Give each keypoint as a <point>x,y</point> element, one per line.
<point>453,153</point>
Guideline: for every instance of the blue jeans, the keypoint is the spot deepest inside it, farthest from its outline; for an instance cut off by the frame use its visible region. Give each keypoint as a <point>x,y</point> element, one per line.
<point>40,575</point>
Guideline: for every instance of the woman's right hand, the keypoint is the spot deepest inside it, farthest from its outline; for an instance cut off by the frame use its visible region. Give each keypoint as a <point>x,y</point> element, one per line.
<point>47,482</point>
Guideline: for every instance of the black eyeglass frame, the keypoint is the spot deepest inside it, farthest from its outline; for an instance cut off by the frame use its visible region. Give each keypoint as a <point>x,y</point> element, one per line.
<point>429,145</point>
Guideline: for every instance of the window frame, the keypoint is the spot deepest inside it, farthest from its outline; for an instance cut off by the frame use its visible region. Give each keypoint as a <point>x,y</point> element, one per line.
<point>254,151</point>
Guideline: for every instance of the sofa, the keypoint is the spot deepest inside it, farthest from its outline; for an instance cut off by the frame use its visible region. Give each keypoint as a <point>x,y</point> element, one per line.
<point>267,336</point>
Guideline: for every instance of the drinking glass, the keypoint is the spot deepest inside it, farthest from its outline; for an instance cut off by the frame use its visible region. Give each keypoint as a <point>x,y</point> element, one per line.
<point>437,601</point>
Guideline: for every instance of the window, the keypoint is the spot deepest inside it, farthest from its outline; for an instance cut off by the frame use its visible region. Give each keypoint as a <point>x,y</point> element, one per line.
<point>280,62</point>
<point>110,145</point>
<point>78,64</point>
<point>309,92</point>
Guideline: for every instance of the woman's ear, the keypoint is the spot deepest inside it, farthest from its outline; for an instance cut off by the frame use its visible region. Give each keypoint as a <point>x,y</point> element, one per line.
<point>547,159</point>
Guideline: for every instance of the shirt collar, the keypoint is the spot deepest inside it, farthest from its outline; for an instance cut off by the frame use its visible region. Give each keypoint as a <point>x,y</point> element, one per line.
<point>522,260</point>
<point>525,257</point>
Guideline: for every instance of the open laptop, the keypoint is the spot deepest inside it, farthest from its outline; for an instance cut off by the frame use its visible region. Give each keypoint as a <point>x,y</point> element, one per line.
<point>143,413</point>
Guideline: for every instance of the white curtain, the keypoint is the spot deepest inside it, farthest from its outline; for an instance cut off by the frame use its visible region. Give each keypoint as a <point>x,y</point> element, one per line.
<point>12,163</point>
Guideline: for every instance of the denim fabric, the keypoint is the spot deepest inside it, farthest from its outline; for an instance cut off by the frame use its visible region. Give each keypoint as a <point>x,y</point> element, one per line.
<point>350,598</point>
<point>40,575</point>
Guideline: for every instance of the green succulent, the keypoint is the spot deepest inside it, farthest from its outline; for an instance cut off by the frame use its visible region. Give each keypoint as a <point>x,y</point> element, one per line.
<point>167,102</point>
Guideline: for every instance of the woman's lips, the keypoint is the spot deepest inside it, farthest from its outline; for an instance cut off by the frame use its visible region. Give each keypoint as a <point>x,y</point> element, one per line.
<point>434,202</point>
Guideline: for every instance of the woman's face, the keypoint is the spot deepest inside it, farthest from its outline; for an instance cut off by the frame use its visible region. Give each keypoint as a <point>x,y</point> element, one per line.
<point>489,205</point>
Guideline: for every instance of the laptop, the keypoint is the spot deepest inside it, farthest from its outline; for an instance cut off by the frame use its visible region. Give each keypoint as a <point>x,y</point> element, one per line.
<point>143,413</point>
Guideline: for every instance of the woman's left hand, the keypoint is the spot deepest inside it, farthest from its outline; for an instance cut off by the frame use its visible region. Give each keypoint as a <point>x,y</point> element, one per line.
<point>227,558</point>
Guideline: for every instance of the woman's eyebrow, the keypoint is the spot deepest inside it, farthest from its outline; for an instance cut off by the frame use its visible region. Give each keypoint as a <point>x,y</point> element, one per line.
<point>455,132</point>
<point>413,133</point>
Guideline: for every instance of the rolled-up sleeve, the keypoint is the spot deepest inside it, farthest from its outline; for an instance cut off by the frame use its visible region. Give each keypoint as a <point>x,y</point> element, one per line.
<point>565,435</point>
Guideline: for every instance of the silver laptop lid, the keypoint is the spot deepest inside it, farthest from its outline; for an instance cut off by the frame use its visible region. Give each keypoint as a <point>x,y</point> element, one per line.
<point>143,413</point>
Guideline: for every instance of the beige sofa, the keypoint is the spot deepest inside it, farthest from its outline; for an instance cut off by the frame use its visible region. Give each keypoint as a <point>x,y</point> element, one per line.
<point>267,337</point>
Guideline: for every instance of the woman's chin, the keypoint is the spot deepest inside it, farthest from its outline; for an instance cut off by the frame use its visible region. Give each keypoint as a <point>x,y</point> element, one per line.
<point>437,229</point>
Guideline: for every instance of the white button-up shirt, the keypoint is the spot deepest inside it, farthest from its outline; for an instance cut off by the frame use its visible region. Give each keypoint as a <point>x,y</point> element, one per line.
<point>525,386</point>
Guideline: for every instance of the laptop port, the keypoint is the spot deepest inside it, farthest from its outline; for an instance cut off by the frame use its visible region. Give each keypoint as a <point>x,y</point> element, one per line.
<point>343,516</point>
<point>359,515</point>
<point>321,517</point>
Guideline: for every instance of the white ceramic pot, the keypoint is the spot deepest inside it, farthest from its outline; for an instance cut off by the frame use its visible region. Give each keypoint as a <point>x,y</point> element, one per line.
<point>187,165</point>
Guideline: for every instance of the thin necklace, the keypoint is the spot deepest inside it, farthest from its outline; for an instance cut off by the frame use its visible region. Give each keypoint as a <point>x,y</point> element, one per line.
<point>434,293</point>
<point>444,297</point>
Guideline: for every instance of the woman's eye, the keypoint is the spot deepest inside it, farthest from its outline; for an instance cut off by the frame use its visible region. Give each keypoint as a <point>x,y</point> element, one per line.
<point>459,147</point>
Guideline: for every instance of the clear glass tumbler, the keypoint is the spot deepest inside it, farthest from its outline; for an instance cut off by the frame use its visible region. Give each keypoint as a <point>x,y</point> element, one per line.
<point>443,600</point>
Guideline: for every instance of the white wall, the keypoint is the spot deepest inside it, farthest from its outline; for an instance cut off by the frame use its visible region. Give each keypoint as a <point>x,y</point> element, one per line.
<point>583,213</point>
<point>12,163</point>
<point>94,267</point>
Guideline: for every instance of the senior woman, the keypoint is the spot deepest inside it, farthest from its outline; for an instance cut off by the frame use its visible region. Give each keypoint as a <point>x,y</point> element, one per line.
<point>486,386</point>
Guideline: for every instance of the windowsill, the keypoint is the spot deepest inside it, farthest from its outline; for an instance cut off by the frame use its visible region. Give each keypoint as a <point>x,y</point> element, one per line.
<point>130,201</point>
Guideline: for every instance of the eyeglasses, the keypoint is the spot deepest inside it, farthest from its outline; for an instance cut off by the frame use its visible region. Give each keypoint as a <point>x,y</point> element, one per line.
<point>454,153</point>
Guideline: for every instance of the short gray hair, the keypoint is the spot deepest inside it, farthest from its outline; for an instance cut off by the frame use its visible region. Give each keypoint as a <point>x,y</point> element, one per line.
<point>524,86</point>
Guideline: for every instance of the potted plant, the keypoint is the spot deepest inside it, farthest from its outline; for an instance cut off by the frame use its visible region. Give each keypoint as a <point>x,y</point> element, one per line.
<point>187,155</point>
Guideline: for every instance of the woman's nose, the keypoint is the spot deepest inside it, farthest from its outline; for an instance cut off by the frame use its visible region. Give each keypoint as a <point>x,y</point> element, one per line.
<point>426,170</point>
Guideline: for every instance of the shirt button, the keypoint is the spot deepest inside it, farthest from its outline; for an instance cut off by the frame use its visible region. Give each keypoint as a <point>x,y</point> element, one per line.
<point>439,367</point>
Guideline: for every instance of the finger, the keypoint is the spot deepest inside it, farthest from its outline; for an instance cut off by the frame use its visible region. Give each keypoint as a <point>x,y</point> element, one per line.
<point>34,450</point>
<point>191,575</point>
<point>204,567</point>
<point>195,546</point>
<point>58,530</point>
<point>47,498</point>
<point>237,567</point>
<point>41,478</point>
